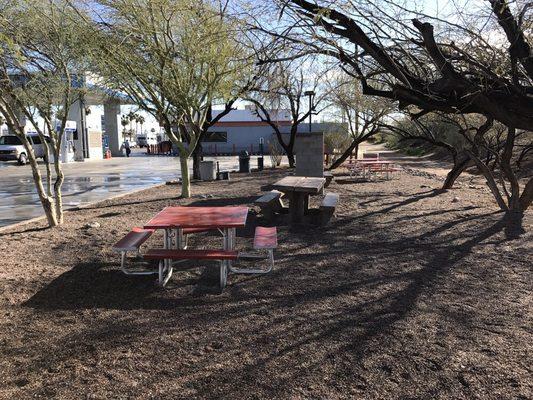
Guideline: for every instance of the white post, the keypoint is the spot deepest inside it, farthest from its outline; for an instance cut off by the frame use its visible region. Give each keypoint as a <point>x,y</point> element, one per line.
<point>77,114</point>
<point>111,112</point>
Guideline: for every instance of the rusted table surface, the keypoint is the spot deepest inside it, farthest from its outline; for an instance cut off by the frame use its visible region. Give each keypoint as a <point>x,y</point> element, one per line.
<point>199,217</point>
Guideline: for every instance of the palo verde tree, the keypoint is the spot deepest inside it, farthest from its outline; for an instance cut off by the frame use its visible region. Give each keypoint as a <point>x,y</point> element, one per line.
<point>173,58</point>
<point>470,62</point>
<point>283,89</point>
<point>40,53</point>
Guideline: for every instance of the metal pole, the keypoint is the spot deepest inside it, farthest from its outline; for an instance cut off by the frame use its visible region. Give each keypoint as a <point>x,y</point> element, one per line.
<point>310,110</point>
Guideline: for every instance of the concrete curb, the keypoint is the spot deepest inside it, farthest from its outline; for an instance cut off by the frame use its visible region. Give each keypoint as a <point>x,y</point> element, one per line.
<point>78,208</point>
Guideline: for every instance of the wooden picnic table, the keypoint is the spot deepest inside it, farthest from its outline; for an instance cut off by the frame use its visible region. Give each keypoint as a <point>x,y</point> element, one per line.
<point>174,220</point>
<point>298,189</point>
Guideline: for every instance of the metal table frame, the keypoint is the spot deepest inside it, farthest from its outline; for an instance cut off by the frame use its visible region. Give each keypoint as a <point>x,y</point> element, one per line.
<point>174,238</point>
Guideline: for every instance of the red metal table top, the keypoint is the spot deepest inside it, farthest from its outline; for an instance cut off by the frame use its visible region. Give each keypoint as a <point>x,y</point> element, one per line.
<point>199,217</point>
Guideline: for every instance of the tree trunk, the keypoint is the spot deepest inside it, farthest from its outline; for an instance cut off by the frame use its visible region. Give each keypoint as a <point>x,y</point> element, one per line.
<point>49,211</point>
<point>505,164</point>
<point>455,172</point>
<point>491,183</point>
<point>338,162</point>
<point>185,177</point>
<point>290,156</point>
<point>527,196</point>
<point>45,200</point>
<point>57,189</point>
<point>196,158</point>
<point>48,174</point>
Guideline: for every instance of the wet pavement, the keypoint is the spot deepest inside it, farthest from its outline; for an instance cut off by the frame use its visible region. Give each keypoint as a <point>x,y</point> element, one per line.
<point>89,181</point>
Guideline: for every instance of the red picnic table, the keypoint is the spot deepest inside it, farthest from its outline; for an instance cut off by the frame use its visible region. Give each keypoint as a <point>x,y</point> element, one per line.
<point>176,221</point>
<point>370,165</point>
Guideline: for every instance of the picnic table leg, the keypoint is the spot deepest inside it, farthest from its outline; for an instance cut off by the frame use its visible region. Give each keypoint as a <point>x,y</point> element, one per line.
<point>181,240</point>
<point>166,265</point>
<point>225,265</point>
<point>297,206</point>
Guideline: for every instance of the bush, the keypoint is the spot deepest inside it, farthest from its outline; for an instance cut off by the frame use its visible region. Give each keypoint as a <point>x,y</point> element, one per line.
<point>275,151</point>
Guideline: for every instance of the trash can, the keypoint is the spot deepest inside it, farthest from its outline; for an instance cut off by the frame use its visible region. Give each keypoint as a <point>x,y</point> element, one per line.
<point>223,176</point>
<point>207,170</point>
<point>244,161</point>
<point>260,163</point>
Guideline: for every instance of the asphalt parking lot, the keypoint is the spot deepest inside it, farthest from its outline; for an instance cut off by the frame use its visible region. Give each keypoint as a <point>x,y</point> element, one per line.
<point>89,181</point>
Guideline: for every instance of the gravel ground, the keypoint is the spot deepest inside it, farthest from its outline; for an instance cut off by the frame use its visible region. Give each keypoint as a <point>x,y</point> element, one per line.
<point>408,293</point>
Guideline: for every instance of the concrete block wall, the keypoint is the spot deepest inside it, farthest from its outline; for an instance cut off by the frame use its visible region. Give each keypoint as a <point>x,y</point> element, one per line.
<point>309,151</point>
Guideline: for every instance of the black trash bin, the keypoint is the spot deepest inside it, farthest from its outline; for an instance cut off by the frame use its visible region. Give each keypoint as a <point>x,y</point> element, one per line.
<point>260,163</point>
<point>244,161</point>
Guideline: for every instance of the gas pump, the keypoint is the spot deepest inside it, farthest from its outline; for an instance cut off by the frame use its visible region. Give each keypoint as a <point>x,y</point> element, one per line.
<point>67,144</point>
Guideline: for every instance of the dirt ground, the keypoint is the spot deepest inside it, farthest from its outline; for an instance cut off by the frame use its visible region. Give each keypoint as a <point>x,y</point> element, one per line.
<point>407,294</point>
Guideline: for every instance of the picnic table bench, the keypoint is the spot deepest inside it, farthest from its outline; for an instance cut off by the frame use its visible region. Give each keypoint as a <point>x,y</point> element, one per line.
<point>178,222</point>
<point>270,203</point>
<point>327,208</point>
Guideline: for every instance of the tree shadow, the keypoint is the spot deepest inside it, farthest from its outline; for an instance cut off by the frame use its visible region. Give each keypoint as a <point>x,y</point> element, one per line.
<point>29,230</point>
<point>322,313</point>
<point>102,285</point>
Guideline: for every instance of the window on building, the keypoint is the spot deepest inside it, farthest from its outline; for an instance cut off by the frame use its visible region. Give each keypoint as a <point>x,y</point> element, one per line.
<point>216,137</point>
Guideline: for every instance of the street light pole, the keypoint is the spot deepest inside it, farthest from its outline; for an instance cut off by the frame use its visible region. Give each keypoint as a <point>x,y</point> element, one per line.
<point>310,93</point>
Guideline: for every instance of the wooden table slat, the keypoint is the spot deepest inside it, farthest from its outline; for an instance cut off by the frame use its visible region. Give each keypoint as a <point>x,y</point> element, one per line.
<point>302,184</point>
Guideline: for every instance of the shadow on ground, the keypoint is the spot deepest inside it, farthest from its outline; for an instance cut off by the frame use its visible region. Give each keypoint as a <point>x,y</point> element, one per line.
<point>375,305</point>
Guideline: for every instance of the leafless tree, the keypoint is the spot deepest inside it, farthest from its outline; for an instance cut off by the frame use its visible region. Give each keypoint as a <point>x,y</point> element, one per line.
<point>283,89</point>
<point>364,115</point>
<point>473,62</point>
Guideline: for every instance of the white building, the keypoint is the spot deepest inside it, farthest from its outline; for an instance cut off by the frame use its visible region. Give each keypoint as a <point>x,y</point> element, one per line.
<point>244,130</point>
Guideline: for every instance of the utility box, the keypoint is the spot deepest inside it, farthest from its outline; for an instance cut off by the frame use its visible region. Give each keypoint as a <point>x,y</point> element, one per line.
<point>309,151</point>
<point>207,170</point>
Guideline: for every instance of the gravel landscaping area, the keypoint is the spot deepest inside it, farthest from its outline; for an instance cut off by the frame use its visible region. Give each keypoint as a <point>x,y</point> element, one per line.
<point>409,293</point>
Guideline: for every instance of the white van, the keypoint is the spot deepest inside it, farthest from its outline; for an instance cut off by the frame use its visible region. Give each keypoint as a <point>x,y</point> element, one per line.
<point>144,141</point>
<point>11,148</point>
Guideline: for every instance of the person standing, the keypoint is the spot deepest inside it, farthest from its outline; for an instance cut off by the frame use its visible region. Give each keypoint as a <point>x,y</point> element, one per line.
<point>127,147</point>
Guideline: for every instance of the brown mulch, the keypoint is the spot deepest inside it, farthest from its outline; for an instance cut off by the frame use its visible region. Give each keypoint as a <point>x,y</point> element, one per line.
<point>405,294</point>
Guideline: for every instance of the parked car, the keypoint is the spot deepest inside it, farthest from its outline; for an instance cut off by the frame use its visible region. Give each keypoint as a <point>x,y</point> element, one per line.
<point>11,148</point>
